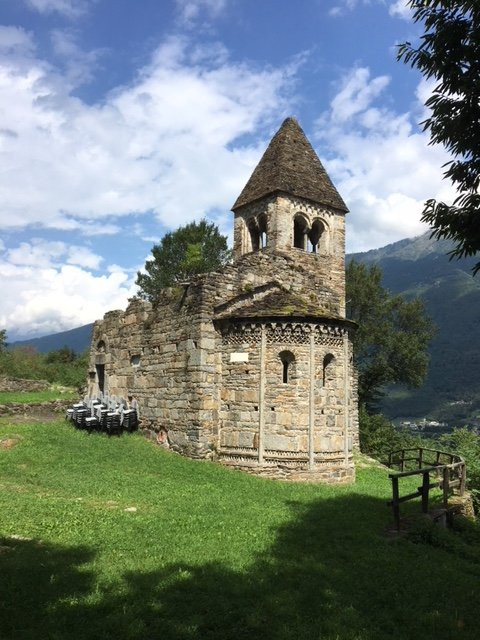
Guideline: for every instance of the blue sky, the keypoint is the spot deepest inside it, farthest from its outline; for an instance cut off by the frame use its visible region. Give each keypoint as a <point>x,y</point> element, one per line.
<point>121,120</point>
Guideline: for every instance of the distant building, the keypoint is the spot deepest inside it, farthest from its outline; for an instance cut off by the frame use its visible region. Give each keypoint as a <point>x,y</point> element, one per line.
<point>251,366</point>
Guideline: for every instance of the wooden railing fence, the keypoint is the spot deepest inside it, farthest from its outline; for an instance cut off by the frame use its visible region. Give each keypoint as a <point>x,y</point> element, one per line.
<point>439,469</point>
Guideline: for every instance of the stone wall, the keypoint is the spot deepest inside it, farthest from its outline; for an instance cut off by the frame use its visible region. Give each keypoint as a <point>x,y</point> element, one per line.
<point>165,359</point>
<point>302,420</point>
<point>19,384</point>
<point>327,266</point>
<point>178,361</point>
<point>38,410</point>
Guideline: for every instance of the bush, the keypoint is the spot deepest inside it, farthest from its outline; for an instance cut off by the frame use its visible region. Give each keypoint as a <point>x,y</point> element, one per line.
<point>62,366</point>
<point>467,444</point>
<point>378,436</point>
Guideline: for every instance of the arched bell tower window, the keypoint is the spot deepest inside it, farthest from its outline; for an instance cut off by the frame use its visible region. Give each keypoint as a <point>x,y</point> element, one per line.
<point>262,230</point>
<point>300,231</point>
<point>288,360</point>
<point>316,235</point>
<point>254,235</point>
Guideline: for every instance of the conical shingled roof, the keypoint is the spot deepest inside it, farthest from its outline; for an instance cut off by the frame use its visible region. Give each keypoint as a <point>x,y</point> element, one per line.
<point>291,165</point>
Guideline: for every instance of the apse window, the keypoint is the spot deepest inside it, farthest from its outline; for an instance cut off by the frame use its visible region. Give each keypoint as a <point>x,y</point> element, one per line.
<point>288,361</point>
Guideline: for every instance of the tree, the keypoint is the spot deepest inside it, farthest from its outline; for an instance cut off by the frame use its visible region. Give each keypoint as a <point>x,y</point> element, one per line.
<point>390,345</point>
<point>449,52</point>
<point>190,250</point>
<point>3,340</point>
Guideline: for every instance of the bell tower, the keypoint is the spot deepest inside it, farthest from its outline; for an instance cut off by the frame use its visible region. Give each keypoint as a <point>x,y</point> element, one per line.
<point>290,206</point>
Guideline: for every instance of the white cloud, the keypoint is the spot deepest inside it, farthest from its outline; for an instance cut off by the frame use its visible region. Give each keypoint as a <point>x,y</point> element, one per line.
<point>356,94</point>
<point>164,145</point>
<point>68,8</point>
<point>400,9</point>
<point>154,146</point>
<point>43,253</point>
<point>41,295</point>
<point>396,8</point>
<point>79,66</point>
<point>191,9</point>
<point>343,7</point>
<point>383,167</point>
<point>15,40</point>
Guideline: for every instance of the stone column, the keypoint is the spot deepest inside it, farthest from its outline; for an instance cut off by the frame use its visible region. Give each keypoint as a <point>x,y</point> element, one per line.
<point>346,391</point>
<point>311,419</point>
<point>261,398</point>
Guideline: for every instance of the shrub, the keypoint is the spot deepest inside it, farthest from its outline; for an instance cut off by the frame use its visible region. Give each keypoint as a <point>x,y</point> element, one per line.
<point>378,436</point>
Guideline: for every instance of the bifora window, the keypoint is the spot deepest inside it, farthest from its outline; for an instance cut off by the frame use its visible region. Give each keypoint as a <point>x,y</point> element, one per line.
<point>313,239</point>
<point>258,230</point>
<point>315,235</point>
<point>300,229</point>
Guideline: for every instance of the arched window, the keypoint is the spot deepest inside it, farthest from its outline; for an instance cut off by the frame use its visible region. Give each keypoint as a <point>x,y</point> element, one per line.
<point>300,230</point>
<point>288,360</point>
<point>263,230</point>
<point>101,346</point>
<point>328,367</point>
<point>254,235</point>
<point>316,234</point>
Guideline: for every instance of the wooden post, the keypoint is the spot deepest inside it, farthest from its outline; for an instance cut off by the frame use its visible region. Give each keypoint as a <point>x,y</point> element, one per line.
<point>420,457</point>
<point>390,460</point>
<point>395,505</point>
<point>402,467</point>
<point>463,479</point>
<point>446,488</point>
<point>425,489</point>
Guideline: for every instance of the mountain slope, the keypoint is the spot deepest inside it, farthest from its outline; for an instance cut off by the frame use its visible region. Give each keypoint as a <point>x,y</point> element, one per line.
<point>421,267</point>
<point>77,339</point>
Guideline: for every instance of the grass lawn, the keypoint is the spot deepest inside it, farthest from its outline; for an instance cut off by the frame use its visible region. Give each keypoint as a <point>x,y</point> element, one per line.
<point>37,397</point>
<point>115,538</point>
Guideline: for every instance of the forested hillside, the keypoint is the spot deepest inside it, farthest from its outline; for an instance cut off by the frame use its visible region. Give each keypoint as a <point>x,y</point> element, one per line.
<point>421,267</point>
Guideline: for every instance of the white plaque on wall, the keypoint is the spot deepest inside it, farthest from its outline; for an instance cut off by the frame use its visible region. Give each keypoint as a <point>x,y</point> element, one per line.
<point>238,357</point>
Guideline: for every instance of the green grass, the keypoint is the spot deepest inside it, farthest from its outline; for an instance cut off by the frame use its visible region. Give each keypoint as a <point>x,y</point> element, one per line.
<point>210,553</point>
<point>37,397</point>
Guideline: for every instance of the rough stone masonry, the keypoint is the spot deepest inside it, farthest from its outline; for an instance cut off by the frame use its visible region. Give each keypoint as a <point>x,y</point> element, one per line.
<point>251,366</point>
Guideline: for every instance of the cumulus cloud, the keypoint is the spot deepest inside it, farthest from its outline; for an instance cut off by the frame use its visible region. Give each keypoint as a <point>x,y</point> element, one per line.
<point>177,143</point>
<point>49,287</point>
<point>44,253</point>
<point>68,8</point>
<point>154,146</point>
<point>190,10</point>
<point>400,9</point>
<point>381,164</point>
<point>396,8</point>
<point>78,65</point>
<point>15,40</point>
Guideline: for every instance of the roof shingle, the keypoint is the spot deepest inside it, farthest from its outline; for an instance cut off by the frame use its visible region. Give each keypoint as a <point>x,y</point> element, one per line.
<point>290,165</point>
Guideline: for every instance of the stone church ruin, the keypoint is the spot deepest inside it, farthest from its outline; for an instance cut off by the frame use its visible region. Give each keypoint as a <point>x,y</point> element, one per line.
<point>251,366</point>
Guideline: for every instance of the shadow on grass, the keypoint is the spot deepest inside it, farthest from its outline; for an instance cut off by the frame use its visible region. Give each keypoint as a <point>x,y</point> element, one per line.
<point>330,574</point>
